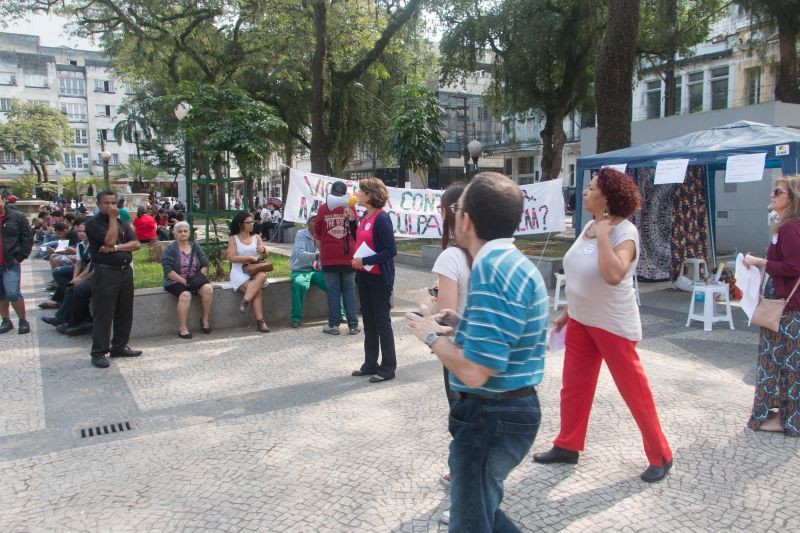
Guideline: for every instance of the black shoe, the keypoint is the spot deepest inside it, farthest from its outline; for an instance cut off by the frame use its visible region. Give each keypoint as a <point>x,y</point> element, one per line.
<point>24,327</point>
<point>6,326</point>
<point>181,335</point>
<point>81,329</point>
<point>100,361</point>
<point>53,320</point>
<point>126,352</point>
<point>656,473</point>
<point>557,455</point>
<point>63,328</point>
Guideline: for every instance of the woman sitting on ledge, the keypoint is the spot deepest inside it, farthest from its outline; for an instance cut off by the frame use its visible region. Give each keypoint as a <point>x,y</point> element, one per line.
<point>249,266</point>
<point>185,273</point>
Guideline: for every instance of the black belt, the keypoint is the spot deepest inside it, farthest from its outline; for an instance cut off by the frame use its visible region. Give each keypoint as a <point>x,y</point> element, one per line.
<point>112,267</point>
<point>507,395</point>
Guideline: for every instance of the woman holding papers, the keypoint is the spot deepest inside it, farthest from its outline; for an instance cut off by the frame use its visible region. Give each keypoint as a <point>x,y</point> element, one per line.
<point>602,321</point>
<point>374,264</point>
<point>777,385</point>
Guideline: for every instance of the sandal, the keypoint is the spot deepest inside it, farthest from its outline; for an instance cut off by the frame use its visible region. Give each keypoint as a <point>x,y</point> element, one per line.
<point>262,326</point>
<point>243,306</point>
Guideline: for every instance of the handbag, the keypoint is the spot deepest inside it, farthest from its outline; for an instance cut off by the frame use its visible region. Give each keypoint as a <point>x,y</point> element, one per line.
<point>768,312</point>
<point>197,280</point>
<point>262,265</point>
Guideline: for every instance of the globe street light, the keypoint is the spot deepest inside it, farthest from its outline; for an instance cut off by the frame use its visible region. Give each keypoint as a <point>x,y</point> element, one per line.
<point>474,148</point>
<point>106,155</point>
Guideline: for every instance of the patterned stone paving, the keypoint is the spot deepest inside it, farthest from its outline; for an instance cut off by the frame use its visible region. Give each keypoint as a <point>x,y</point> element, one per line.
<point>244,432</point>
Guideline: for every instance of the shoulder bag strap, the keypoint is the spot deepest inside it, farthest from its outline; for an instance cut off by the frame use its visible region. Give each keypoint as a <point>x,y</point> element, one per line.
<point>793,290</point>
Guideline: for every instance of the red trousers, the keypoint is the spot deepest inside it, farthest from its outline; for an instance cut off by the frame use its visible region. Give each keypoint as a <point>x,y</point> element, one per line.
<point>587,347</point>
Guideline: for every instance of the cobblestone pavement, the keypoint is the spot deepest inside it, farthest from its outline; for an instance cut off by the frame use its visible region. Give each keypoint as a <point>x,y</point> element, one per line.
<point>244,432</point>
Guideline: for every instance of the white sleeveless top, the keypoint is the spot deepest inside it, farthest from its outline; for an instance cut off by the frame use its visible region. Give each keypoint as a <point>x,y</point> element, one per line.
<point>238,275</point>
<point>593,302</point>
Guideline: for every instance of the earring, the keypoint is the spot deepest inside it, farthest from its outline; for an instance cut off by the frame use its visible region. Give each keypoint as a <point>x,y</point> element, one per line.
<point>605,213</point>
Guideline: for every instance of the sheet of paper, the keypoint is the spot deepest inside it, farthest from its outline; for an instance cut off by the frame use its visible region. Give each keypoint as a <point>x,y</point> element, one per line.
<point>365,251</point>
<point>749,281</point>
<point>620,168</point>
<point>745,167</point>
<point>557,339</point>
<point>63,244</point>
<point>670,171</point>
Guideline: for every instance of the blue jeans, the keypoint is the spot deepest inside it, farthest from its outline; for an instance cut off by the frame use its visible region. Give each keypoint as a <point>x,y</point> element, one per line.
<point>341,288</point>
<point>9,283</point>
<point>490,438</point>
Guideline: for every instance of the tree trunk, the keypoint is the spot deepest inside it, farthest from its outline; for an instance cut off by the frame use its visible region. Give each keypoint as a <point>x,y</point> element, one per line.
<point>36,169</point>
<point>319,139</point>
<point>613,87</point>
<point>786,89</point>
<point>553,140</point>
<point>671,19</point>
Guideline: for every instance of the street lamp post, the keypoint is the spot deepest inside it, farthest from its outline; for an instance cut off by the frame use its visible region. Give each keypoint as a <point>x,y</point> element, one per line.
<point>181,110</point>
<point>75,185</point>
<point>106,156</point>
<point>474,148</point>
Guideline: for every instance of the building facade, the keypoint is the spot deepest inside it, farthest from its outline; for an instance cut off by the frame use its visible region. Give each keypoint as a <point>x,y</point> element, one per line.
<point>77,82</point>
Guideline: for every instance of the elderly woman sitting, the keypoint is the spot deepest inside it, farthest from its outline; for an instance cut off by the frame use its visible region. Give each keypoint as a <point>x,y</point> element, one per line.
<point>185,270</point>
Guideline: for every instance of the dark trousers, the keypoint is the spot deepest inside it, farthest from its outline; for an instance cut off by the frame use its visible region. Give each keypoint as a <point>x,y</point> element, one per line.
<point>62,275</point>
<point>75,307</point>
<point>112,290</point>
<point>378,335</point>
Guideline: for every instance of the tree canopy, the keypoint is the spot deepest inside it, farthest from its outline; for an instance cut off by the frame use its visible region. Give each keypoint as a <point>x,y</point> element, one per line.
<point>415,131</point>
<point>37,134</point>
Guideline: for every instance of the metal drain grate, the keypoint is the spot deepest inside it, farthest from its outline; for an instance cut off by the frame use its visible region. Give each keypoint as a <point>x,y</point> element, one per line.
<point>106,429</point>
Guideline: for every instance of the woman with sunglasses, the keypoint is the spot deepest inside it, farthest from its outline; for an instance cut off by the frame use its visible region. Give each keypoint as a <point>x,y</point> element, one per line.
<point>246,253</point>
<point>776,406</point>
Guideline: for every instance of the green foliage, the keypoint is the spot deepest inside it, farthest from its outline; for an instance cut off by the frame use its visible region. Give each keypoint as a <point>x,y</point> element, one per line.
<point>35,133</point>
<point>415,131</point>
<point>23,186</point>
<point>138,171</point>
<point>690,26</point>
<point>541,54</point>
<point>228,119</point>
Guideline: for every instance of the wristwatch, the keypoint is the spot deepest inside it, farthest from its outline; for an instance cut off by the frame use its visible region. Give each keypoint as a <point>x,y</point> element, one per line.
<point>115,247</point>
<point>430,338</point>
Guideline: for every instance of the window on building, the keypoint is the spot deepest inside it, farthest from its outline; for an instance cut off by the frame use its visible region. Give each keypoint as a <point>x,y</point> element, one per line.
<point>507,168</point>
<point>79,161</point>
<point>719,88</point>
<point>525,165</point>
<point>653,99</point>
<point>570,181</point>
<point>104,110</point>
<point>70,86</point>
<point>5,104</point>
<point>35,79</point>
<point>678,95</point>
<point>753,85</point>
<point>114,159</point>
<point>43,103</point>
<point>105,86</point>
<point>8,159</point>
<point>81,136</point>
<point>75,112</point>
<point>106,135</point>
<point>133,88</point>
<point>696,92</point>
<point>8,78</point>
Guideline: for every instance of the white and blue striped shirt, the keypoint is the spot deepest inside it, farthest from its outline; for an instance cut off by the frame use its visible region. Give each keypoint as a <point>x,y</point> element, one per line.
<point>504,325</point>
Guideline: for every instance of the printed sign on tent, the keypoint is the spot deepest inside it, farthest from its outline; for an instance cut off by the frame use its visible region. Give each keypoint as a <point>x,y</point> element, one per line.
<point>745,167</point>
<point>670,171</point>
<point>619,168</point>
<point>414,212</point>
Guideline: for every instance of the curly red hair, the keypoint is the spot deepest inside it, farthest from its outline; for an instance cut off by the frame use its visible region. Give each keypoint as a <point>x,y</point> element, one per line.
<point>620,191</point>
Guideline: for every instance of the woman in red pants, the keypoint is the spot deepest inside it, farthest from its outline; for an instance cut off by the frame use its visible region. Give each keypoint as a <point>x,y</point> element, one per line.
<point>602,320</point>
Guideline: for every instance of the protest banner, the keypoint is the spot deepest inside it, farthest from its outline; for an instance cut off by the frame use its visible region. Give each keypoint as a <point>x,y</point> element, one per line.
<point>414,212</point>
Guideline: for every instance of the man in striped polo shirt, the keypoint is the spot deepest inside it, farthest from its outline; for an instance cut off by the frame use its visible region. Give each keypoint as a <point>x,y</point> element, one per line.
<point>496,356</point>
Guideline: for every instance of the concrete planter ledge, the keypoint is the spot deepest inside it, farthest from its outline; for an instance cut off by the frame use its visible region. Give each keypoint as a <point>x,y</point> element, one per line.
<point>154,310</point>
<point>547,265</point>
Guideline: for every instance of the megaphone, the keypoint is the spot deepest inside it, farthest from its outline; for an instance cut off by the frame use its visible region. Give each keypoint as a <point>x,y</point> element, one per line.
<point>334,202</point>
